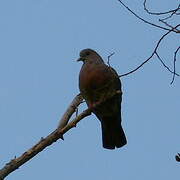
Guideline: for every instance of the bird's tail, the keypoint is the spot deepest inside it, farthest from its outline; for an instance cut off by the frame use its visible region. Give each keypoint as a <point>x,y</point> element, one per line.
<point>112,134</point>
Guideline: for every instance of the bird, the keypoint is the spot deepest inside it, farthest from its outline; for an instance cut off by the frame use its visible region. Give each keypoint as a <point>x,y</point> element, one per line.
<point>98,83</point>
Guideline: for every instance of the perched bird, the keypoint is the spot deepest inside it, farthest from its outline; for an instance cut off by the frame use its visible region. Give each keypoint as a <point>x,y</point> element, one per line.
<point>98,82</point>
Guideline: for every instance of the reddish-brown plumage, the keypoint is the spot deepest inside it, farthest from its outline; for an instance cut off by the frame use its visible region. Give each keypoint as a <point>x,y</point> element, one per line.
<point>97,82</point>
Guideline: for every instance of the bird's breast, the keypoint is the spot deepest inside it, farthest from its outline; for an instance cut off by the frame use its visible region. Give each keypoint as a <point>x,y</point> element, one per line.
<point>91,78</point>
<point>92,82</point>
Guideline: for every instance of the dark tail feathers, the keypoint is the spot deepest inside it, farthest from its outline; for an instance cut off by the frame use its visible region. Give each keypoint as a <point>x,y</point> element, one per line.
<point>112,134</point>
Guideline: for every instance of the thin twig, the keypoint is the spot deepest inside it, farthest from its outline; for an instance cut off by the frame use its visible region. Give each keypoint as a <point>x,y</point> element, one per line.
<point>165,64</point>
<point>153,53</point>
<point>70,110</point>
<point>171,12</point>
<point>108,62</point>
<point>147,22</point>
<point>159,13</point>
<point>175,12</point>
<point>167,24</point>
<point>175,58</point>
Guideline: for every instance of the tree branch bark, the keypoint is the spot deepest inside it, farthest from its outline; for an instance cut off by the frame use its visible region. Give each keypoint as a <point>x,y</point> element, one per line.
<point>70,110</point>
<point>54,136</point>
<point>51,138</point>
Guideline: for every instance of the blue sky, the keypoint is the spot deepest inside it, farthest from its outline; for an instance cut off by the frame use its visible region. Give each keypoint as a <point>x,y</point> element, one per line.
<point>40,41</point>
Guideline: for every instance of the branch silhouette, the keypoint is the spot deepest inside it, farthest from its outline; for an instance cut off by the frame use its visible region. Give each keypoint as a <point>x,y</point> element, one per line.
<point>172,12</point>
<point>175,59</point>
<point>147,22</point>
<point>169,15</point>
<point>156,53</point>
<point>169,29</point>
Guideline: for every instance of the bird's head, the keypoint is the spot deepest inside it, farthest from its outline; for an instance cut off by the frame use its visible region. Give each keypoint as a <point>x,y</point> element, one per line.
<point>89,55</point>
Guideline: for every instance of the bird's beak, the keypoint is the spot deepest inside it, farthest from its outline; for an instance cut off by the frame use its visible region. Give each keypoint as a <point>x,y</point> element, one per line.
<point>80,59</point>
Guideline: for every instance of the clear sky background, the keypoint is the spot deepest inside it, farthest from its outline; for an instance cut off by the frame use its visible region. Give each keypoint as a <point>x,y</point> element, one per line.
<point>40,41</point>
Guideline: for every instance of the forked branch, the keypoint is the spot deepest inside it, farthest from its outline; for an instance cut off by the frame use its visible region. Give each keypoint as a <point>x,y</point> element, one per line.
<point>156,53</point>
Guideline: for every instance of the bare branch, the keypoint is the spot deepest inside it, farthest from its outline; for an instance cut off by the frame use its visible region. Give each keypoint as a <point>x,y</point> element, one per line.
<point>147,22</point>
<point>51,138</point>
<point>171,12</point>
<point>175,58</point>
<point>174,11</point>
<point>70,110</point>
<point>167,24</point>
<point>154,52</point>
<point>165,64</point>
<point>44,142</point>
<point>108,62</point>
